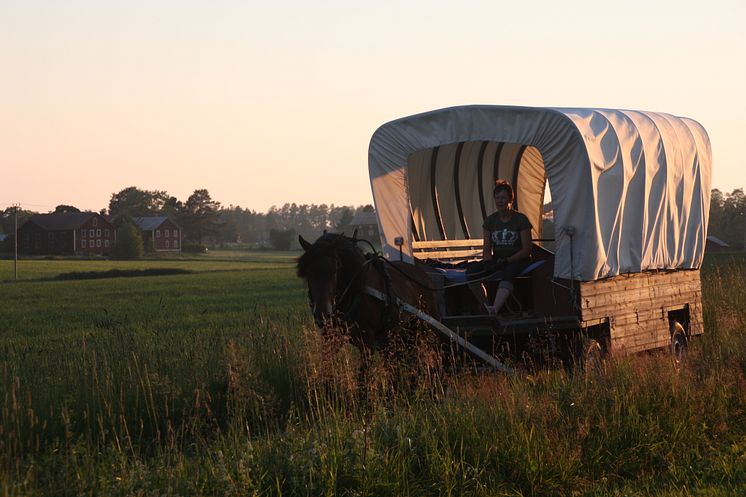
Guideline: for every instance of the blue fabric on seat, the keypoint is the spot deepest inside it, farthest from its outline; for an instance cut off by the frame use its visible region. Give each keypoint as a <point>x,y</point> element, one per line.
<point>459,275</point>
<point>453,275</point>
<point>531,267</point>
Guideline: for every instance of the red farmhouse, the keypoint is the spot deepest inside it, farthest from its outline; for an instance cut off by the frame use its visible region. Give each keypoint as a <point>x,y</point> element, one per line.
<point>67,233</point>
<point>164,233</point>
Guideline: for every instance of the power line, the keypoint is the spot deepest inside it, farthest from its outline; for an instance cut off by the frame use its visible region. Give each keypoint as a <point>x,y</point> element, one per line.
<point>19,204</point>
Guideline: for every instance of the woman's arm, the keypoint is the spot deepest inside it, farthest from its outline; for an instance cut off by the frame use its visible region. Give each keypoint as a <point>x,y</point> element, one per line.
<point>525,251</point>
<point>487,246</point>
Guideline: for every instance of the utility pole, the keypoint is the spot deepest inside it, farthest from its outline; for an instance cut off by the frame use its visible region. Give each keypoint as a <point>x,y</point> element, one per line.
<point>15,241</point>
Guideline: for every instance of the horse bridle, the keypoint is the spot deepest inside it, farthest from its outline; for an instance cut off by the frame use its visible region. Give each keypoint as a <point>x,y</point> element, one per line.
<point>339,297</point>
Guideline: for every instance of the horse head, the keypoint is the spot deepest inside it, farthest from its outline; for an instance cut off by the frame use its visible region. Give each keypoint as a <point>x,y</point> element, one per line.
<point>325,265</point>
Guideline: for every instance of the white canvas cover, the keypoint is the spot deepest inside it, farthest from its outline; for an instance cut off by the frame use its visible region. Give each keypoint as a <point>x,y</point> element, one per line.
<point>633,187</point>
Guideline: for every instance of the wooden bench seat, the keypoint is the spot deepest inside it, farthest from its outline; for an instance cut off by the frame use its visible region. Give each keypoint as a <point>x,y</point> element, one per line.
<point>453,251</point>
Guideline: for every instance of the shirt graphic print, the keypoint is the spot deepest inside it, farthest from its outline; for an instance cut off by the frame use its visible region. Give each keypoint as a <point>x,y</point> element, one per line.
<point>506,235</point>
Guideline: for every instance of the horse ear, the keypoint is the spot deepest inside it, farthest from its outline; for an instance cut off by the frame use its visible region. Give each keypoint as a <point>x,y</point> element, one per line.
<point>306,246</point>
<point>324,232</point>
<point>354,235</point>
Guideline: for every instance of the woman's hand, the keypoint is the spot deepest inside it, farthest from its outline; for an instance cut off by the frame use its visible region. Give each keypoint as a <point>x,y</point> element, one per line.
<point>526,246</point>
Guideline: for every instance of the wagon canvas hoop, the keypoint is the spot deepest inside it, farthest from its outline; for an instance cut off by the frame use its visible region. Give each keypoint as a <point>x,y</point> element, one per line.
<point>633,185</point>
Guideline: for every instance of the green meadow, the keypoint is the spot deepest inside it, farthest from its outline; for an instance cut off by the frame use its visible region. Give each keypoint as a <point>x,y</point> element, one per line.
<point>35,269</point>
<point>215,382</point>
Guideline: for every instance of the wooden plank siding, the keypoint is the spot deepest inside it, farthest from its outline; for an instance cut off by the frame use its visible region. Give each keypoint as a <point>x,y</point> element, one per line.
<point>637,306</point>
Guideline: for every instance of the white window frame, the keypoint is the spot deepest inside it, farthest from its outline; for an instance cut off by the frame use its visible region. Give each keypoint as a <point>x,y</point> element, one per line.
<point>83,243</point>
<point>157,233</point>
<point>98,243</point>
<point>91,233</point>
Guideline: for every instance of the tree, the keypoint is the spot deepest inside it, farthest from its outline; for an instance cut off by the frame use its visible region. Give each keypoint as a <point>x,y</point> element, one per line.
<point>229,219</point>
<point>728,217</point>
<point>8,219</point>
<point>242,225</point>
<point>281,239</point>
<point>129,242</point>
<point>65,209</point>
<point>136,202</point>
<point>172,207</point>
<point>345,220</point>
<point>200,216</point>
<point>8,245</point>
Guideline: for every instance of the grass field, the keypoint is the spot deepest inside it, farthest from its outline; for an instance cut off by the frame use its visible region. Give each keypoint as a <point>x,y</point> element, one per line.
<point>215,383</point>
<point>34,269</point>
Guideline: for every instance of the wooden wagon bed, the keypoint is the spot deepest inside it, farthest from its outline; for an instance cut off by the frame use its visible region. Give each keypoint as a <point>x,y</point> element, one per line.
<point>630,313</point>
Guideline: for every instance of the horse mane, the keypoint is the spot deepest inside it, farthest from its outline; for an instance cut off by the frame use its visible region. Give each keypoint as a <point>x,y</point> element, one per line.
<point>328,243</point>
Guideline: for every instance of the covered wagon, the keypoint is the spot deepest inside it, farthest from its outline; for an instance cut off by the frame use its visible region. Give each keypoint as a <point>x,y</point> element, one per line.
<point>630,193</point>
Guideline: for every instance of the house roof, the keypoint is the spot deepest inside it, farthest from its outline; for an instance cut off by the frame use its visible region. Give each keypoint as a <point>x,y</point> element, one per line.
<point>150,223</point>
<point>61,221</point>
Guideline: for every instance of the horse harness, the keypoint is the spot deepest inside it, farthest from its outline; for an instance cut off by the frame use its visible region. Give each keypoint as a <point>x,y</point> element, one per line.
<point>388,297</point>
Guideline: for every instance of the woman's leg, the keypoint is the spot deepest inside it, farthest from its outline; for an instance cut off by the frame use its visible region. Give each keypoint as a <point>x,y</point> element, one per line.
<point>479,271</point>
<point>505,287</point>
<point>500,297</point>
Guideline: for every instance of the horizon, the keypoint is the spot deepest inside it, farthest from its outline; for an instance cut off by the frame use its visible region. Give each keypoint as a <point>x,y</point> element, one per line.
<point>260,104</point>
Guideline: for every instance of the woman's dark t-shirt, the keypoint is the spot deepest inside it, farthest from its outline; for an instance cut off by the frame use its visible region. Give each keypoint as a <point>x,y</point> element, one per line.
<point>506,236</point>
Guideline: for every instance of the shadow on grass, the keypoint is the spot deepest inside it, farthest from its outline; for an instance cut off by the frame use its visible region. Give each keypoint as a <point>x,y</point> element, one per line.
<point>121,273</point>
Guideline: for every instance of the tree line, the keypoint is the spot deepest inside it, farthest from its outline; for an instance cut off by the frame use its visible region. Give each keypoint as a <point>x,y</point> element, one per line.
<point>728,217</point>
<point>205,222</point>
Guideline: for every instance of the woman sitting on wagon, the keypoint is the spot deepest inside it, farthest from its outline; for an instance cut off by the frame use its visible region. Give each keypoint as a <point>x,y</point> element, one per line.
<point>507,243</point>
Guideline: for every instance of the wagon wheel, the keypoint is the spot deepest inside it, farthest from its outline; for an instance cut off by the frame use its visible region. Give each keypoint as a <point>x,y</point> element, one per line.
<point>679,343</point>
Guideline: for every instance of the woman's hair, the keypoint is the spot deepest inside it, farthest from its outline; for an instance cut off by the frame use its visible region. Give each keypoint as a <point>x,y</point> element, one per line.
<point>501,185</point>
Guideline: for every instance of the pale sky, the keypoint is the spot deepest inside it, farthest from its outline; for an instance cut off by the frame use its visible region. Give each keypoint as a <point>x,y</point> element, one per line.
<point>264,103</point>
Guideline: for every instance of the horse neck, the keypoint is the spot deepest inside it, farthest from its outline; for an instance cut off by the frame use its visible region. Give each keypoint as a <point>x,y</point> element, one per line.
<point>352,261</point>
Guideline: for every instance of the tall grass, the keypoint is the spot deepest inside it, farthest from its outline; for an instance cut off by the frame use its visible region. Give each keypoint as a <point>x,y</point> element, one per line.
<point>224,388</point>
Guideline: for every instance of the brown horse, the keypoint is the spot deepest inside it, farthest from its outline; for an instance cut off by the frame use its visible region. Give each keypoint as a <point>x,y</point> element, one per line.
<point>362,290</point>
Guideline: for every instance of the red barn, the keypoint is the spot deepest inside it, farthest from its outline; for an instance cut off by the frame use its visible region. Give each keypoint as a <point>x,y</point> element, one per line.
<point>62,233</point>
<point>164,233</point>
